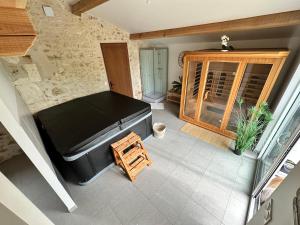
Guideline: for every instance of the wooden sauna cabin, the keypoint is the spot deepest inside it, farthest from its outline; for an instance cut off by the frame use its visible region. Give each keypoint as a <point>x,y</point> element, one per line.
<point>213,80</point>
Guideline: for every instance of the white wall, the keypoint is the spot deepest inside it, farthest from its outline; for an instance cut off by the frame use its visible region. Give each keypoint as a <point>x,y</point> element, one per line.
<point>19,122</point>
<point>16,106</point>
<point>175,48</point>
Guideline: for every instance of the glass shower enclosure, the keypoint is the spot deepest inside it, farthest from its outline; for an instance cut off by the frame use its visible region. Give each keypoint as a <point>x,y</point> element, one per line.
<point>154,73</point>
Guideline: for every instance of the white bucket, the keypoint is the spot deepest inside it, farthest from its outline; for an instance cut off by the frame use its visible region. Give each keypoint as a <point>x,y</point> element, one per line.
<point>159,130</point>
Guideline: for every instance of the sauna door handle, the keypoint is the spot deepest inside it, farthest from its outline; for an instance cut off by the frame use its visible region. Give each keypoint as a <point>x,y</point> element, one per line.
<point>205,95</point>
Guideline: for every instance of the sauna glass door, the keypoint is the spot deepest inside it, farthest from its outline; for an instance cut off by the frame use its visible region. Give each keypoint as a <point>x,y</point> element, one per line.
<point>216,92</point>
<point>192,82</point>
<point>250,90</point>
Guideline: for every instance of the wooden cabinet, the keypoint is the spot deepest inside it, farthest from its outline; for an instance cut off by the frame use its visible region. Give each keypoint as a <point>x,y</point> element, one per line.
<point>173,97</point>
<point>16,31</point>
<point>213,80</point>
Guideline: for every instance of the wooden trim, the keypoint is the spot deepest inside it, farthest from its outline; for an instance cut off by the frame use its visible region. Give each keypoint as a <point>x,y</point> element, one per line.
<point>207,126</point>
<point>275,70</point>
<point>249,54</point>
<point>233,93</point>
<point>202,84</point>
<point>184,84</point>
<point>21,4</point>
<point>290,18</point>
<point>15,22</point>
<point>85,5</point>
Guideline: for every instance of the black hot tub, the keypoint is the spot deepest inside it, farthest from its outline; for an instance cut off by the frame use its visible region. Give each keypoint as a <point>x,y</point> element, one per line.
<point>77,134</point>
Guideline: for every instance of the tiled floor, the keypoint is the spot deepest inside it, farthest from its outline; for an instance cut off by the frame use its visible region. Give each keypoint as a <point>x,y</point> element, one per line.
<point>190,182</point>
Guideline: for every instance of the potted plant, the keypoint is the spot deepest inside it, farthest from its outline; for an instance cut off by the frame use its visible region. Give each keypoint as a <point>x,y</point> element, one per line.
<point>177,85</point>
<point>250,124</point>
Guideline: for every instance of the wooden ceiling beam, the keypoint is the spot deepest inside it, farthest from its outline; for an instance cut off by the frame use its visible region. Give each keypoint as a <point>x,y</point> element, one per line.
<point>21,4</point>
<point>14,21</point>
<point>284,19</point>
<point>85,5</point>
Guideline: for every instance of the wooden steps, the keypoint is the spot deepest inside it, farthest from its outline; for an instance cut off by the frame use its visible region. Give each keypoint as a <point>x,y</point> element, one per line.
<point>131,155</point>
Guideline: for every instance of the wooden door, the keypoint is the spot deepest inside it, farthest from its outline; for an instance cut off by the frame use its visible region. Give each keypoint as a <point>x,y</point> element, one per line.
<point>115,56</point>
<point>253,87</point>
<point>216,89</point>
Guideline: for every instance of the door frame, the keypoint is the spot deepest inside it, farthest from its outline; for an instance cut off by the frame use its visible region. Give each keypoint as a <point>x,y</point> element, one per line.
<point>293,141</point>
<point>286,103</point>
<point>153,49</point>
<point>289,108</point>
<point>129,69</point>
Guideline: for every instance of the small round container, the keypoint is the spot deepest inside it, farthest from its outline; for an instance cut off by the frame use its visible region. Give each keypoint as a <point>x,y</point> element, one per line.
<point>159,130</point>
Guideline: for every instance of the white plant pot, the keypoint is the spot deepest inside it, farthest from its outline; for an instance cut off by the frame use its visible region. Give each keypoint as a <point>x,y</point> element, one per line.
<point>159,130</point>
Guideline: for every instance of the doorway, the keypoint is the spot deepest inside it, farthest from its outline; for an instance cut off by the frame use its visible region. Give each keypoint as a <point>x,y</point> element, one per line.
<point>116,60</point>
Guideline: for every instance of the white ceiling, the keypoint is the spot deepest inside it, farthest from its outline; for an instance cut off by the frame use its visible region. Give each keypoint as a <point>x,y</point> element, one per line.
<point>138,16</point>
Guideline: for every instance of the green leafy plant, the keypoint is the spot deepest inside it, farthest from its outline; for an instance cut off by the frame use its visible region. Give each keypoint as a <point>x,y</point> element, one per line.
<point>177,85</point>
<point>250,124</point>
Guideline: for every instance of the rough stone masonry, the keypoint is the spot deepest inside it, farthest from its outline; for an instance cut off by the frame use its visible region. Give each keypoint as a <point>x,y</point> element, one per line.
<point>65,61</point>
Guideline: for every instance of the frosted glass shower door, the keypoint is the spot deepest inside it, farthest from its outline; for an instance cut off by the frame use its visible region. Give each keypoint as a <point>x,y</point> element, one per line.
<point>146,61</point>
<point>160,72</point>
<point>154,73</point>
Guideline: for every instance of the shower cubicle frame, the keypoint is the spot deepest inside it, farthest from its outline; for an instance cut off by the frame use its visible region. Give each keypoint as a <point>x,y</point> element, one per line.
<point>163,96</point>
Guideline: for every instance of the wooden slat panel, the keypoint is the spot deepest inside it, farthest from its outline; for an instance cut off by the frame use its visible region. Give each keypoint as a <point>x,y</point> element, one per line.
<point>21,4</point>
<point>15,22</point>
<point>134,153</point>
<point>290,18</point>
<point>15,45</point>
<point>85,5</point>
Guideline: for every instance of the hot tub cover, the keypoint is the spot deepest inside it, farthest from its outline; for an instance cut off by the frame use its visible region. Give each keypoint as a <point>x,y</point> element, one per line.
<point>75,124</point>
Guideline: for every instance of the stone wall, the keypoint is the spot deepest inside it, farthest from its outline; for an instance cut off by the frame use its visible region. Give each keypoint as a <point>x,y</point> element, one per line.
<point>8,146</point>
<point>65,61</point>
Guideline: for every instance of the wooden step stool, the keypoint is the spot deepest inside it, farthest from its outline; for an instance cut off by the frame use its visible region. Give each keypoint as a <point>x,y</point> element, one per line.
<point>131,155</point>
